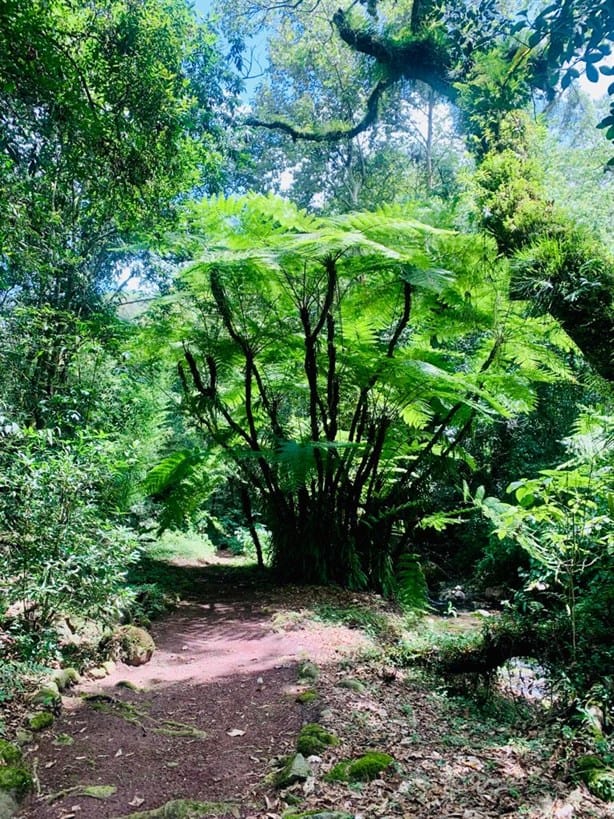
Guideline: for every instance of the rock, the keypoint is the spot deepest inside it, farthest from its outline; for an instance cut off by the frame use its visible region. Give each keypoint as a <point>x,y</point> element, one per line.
<point>23,737</point>
<point>64,677</point>
<point>187,809</point>
<point>97,673</point>
<point>496,594</point>
<point>8,805</point>
<point>79,632</point>
<point>353,685</point>
<point>97,791</point>
<point>109,666</point>
<point>322,814</point>
<point>48,697</point>
<point>40,721</point>
<point>453,595</point>
<point>296,769</point>
<point>136,645</point>
<point>127,684</point>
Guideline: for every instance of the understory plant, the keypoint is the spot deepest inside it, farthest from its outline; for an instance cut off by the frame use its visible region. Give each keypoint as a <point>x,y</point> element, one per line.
<point>63,549</point>
<point>564,520</point>
<point>339,364</point>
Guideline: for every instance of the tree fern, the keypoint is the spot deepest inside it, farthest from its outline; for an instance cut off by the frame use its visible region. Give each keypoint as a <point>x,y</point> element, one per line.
<point>352,355</point>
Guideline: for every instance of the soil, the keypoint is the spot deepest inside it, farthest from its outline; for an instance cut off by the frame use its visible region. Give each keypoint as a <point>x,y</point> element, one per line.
<point>217,705</point>
<point>226,664</point>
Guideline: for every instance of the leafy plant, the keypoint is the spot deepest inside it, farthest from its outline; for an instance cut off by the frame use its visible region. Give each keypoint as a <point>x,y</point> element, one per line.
<point>339,364</point>
<point>563,520</point>
<point>412,590</point>
<point>59,551</point>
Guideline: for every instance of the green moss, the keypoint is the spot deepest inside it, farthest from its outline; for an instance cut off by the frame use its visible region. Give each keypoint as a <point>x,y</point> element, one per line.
<point>127,684</point>
<point>338,773</point>
<point>364,769</point>
<point>589,762</point>
<point>63,739</point>
<point>38,722</point>
<point>313,739</point>
<point>369,766</point>
<point>9,753</point>
<point>136,644</point>
<point>306,697</point>
<point>15,779</point>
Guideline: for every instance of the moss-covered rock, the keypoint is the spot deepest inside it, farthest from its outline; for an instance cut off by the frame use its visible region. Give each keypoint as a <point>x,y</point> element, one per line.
<point>40,721</point>
<point>9,754</point>
<point>127,684</point>
<point>136,646</point>
<point>319,814</point>
<point>65,677</point>
<point>353,685</point>
<point>14,779</point>
<point>48,697</point>
<point>296,769</point>
<point>23,737</point>
<point>187,809</point>
<point>363,769</point>
<point>313,739</point>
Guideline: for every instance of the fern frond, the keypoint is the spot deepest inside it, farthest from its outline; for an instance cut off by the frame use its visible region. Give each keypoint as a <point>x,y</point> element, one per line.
<point>169,472</point>
<point>412,591</point>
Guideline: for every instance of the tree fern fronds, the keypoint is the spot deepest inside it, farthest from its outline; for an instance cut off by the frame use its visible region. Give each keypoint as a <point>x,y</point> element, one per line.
<point>169,472</point>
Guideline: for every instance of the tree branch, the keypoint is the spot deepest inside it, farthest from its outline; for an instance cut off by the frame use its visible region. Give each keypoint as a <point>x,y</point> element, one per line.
<point>333,134</point>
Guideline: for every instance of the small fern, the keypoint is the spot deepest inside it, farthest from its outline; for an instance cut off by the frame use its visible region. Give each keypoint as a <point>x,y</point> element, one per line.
<point>412,590</point>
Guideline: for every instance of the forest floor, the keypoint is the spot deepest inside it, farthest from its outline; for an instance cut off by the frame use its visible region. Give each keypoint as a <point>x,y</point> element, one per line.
<point>208,716</point>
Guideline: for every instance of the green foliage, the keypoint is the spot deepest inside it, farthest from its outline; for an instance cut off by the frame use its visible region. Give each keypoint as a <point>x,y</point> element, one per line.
<point>100,111</point>
<point>411,584</point>
<point>563,520</point>
<point>559,267</point>
<point>494,86</point>
<point>58,554</point>
<point>337,363</point>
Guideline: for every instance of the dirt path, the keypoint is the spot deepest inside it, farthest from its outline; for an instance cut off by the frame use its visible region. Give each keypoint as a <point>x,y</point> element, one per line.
<point>218,702</point>
<point>201,720</point>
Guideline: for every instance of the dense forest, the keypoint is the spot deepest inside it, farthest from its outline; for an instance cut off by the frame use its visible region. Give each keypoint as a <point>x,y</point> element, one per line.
<point>330,286</point>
